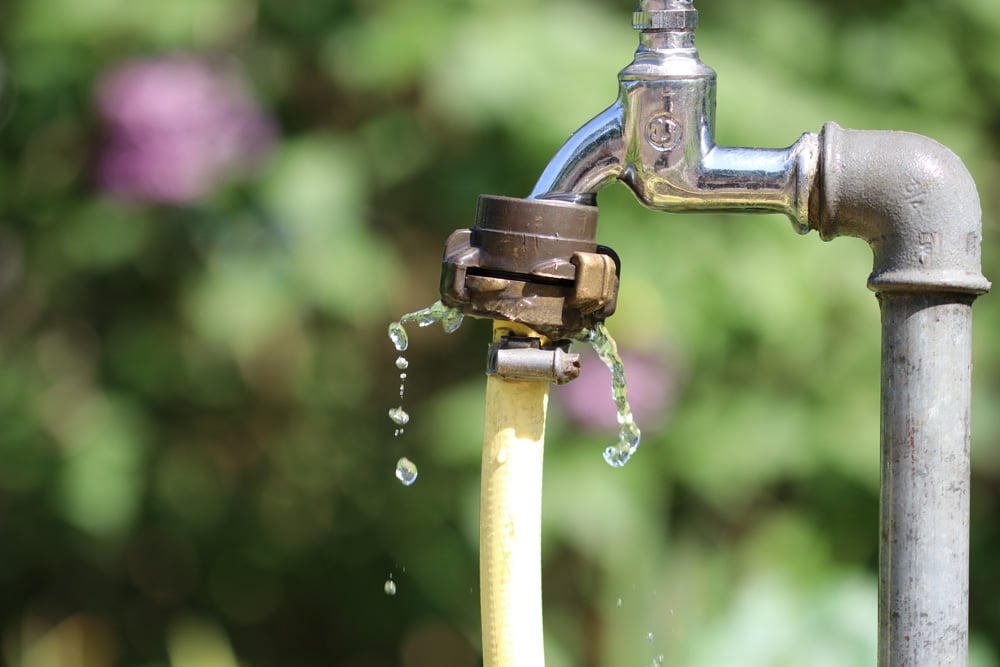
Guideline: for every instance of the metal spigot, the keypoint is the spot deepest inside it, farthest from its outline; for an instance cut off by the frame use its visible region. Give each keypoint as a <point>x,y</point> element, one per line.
<point>659,137</point>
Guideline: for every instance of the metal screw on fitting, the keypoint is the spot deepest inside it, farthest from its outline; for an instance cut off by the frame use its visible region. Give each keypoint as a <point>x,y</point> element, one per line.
<point>526,359</point>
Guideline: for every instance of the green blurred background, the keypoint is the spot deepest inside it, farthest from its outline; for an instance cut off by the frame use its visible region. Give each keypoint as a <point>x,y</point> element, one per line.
<point>196,467</point>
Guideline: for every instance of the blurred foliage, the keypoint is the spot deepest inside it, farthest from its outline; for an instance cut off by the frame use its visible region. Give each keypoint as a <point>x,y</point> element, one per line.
<point>195,460</point>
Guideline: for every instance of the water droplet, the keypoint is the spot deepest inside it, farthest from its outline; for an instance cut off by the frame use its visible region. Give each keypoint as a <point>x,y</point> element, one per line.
<point>629,435</point>
<point>658,661</point>
<point>649,637</point>
<point>390,586</point>
<point>502,455</point>
<point>399,416</point>
<point>397,334</point>
<point>406,471</point>
<point>619,603</point>
<point>452,320</point>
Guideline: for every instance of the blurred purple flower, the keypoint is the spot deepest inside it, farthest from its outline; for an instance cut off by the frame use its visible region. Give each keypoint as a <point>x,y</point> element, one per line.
<point>652,386</point>
<point>175,128</point>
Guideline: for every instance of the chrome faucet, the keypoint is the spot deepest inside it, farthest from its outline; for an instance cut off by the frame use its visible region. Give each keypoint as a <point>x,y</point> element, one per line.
<point>658,138</point>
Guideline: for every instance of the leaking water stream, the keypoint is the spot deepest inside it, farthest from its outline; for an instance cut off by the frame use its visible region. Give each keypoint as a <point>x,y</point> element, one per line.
<point>451,320</point>
<point>597,337</point>
<point>629,435</point>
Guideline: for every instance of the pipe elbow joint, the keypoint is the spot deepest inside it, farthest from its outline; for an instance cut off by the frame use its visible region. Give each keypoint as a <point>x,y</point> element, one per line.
<point>911,199</point>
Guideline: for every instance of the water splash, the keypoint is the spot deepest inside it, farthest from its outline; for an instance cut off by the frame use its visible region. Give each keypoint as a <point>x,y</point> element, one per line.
<point>629,435</point>
<point>450,319</point>
<point>406,471</point>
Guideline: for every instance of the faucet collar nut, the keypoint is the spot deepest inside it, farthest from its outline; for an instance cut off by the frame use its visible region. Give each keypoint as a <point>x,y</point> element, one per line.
<point>667,19</point>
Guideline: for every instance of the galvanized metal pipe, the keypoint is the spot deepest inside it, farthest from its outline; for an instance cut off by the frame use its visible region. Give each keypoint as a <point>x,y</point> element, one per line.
<point>916,204</point>
<point>924,556</point>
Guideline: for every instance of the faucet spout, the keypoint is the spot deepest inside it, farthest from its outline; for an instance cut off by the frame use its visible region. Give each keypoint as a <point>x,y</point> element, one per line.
<point>591,158</point>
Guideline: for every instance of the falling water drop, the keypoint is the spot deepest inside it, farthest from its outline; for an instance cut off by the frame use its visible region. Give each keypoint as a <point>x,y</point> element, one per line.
<point>399,416</point>
<point>649,637</point>
<point>619,603</point>
<point>390,586</point>
<point>406,471</point>
<point>397,334</point>
<point>402,363</point>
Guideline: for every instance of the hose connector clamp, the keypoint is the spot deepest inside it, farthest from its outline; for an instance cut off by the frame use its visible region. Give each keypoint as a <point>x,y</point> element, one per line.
<point>534,262</point>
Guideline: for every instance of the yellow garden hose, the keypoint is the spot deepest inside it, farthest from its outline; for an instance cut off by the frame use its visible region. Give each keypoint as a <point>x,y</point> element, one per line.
<point>510,576</point>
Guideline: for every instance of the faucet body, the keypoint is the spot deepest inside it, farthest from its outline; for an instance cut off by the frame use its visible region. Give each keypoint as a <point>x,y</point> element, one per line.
<point>658,138</point>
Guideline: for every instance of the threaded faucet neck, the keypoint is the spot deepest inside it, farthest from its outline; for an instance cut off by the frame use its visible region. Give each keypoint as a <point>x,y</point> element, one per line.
<point>666,24</point>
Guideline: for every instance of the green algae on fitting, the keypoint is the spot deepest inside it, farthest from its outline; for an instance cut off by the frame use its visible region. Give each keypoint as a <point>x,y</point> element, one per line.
<point>629,435</point>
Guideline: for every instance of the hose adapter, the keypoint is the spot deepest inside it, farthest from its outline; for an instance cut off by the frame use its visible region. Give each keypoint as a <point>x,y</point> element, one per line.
<point>534,262</point>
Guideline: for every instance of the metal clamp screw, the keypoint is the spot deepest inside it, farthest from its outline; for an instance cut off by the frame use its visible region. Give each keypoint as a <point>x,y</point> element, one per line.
<point>527,359</point>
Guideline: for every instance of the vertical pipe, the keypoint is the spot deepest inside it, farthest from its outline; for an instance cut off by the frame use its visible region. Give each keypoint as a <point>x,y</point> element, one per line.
<point>924,554</point>
<point>510,577</point>
<point>917,206</point>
